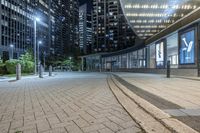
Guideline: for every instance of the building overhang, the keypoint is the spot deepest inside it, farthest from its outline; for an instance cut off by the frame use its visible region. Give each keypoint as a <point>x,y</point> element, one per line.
<point>189,19</point>
<point>149,17</point>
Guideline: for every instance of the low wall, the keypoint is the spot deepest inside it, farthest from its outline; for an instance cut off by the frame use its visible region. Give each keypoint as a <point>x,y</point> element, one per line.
<point>174,71</point>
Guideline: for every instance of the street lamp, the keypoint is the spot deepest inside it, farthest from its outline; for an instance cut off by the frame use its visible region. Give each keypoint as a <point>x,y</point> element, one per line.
<point>12,47</point>
<point>70,58</point>
<point>35,43</point>
<point>44,60</point>
<point>38,52</point>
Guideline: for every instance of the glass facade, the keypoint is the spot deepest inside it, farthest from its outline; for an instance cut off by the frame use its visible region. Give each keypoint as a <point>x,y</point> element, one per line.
<point>171,32</point>
<point>179,48</point>
<point>160,54</point>
<point>187,47</point>
<point>57,28</point>
<point>111,30</point>
<point>172,50</point>
<point>16,27</point>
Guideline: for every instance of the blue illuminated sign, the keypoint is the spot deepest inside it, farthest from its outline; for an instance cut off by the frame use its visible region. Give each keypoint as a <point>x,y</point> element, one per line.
<point>187,48</point>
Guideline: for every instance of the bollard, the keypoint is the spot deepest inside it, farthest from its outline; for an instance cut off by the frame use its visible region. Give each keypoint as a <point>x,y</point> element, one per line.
<point>18,72</point>
<point>168,69</point>
<point>50,70</point>
<point>41,71</point>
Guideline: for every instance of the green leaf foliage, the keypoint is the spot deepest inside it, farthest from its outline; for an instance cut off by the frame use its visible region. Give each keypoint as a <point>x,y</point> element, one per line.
<point>11,66</point>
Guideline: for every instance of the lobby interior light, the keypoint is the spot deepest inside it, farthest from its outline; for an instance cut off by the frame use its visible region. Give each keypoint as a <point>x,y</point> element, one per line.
<point>11,45</point>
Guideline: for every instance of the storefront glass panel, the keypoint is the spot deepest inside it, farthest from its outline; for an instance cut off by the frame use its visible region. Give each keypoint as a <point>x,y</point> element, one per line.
<point>152,56</point>
<point>187,47</point>
<point>172,50</point>
<point>160,56</point>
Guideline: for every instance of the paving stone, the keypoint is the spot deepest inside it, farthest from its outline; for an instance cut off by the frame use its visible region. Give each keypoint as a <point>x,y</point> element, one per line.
<point>42,126</point>
<point>93,127</point>
<point>64,103</point>
<point>131,130</point>
<point>116,119</point>
<point>105,130</point>
<point>63,124</point>
<point>81,122</point>
<point>30,131</point>
<point>113,126</point>
<point>53,120</point>
<point>56,130</point>
<point>73,128</point>
<point>16,124</point>
<point>4,127</point>
<point>128,124</point>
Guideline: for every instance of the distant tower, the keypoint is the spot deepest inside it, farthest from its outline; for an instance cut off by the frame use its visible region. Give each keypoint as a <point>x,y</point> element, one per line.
<point>66,27</point>
<point>111,31</point>
<point>85,30</point>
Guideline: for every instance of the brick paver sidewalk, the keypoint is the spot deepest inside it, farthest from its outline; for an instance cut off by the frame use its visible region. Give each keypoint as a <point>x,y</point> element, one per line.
<point>70,102</point>
<point>179,97</point>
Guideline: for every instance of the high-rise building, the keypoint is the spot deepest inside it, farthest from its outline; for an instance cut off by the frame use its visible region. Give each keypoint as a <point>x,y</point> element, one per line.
<point>111,31</point>
<point>85,29</point>
<point>57,28</point>
<point>44,26</point>
<point>16,27</point>
<point>64,27</point>
<point>70,27</point>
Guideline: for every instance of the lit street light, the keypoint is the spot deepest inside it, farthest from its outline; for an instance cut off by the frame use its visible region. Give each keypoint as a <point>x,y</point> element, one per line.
<point>35,43</point>
<point>70,58</point>
<point>38,52</point>
<point>12,47</point>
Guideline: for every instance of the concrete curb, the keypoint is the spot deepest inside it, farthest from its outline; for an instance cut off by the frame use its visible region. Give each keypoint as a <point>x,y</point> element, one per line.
<point>25,77</point>
<point>144,119</point>
<point>165,119</point>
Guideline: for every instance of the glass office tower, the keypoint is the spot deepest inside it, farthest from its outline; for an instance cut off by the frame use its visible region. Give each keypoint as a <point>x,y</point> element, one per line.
<point>57,28</point>
<point>16,27</point>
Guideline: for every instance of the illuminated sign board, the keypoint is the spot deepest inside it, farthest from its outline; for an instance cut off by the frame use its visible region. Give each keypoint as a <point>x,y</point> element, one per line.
<point>160,54</point>
<point>187,48</point>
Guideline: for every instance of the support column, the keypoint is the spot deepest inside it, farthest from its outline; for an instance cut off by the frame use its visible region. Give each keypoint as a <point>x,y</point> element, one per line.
<point>82,63</point>
<point>0,31</point>
<point>100,64</point>
<point>127,61</point>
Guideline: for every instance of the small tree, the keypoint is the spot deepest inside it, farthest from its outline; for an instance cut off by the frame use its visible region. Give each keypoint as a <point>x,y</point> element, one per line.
<point>67,62</point>
<point>27,62</point>
<point>11,66</point>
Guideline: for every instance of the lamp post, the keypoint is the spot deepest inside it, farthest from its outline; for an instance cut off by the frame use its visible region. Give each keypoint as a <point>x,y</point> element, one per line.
<point>12,47</point>
<point>70,58</point>
<point>38,53</point>
<point>35,43</point>
<point>44,60</point>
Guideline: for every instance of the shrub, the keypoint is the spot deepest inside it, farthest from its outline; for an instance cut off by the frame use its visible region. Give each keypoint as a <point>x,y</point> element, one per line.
<point>11,66</point>
<point>27,63</point>
<point>2,68</point>
<point>27,66</point>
